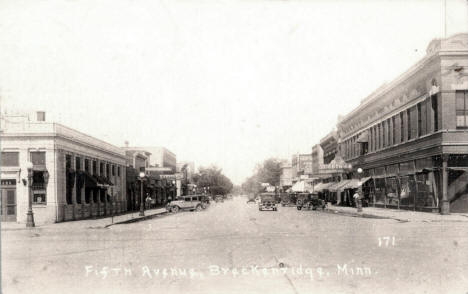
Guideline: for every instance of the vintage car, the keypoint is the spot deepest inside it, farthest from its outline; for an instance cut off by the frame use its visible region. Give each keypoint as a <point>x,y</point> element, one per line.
<point>309,201</point>
<point>267,202</point>
<point>288,199</point>
<point>219,198</point>
<point>188,202</point>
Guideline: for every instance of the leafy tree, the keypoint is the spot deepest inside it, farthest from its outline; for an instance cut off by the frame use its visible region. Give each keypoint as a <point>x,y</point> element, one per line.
<point>267,172</point>
<point>214,178</point>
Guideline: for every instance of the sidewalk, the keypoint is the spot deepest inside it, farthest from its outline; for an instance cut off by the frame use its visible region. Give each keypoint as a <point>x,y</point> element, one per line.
<point>97,223</point>
<point>400,215</point>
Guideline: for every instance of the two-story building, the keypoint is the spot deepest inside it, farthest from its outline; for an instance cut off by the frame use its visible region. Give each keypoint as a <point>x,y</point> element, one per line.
<point>68,175</point>
<point>411,135</point>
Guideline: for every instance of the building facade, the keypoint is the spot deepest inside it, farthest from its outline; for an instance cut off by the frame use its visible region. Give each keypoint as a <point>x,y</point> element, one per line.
<point>411,135</point>
<point>286,176</point>
<point>301,167</point>
<point>69,175</point>
<point>161,157</point>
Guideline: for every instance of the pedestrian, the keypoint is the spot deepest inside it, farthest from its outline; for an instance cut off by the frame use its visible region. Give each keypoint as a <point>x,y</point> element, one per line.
<point>148,201</point>
<point>356,197</point>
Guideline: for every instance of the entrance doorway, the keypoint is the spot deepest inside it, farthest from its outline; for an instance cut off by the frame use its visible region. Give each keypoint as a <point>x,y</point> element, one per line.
<point>8,197</point>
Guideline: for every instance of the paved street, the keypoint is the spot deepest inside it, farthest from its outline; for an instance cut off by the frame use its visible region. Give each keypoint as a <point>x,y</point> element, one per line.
<point>233,248</point>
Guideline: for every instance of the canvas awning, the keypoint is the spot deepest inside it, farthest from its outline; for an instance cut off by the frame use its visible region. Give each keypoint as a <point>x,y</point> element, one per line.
<point>301,186</point>
<point>90,181</point>
<point>322,186</point>
<point>338,186</point>
<point>355,183</point>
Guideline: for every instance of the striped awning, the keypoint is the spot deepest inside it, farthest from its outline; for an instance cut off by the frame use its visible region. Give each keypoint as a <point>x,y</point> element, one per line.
<point>355,183</point>
<point>322,186</point>
<point>338,186</point>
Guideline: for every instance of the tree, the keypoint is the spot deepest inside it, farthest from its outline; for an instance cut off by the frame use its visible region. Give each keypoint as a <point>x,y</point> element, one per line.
<point>267,172</point>
<point>213,178</point>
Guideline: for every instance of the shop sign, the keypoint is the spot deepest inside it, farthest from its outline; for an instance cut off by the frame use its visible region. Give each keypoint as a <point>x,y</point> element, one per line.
<point>169,177</point>
<point>8,182</point>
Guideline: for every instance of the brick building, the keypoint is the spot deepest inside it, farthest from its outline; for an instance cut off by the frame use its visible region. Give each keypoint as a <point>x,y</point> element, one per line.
<point>411,135</point>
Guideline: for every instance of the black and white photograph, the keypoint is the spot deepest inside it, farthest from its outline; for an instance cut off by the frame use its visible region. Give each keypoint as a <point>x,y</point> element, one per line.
<point>234,146</point>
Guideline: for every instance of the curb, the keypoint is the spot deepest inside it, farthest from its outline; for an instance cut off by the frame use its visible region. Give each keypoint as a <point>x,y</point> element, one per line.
<point>138,219</point>
<point>363,215</point>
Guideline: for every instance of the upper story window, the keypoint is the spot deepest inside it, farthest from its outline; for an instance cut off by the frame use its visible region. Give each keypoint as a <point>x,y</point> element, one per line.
<point>408,123</point>
<point>38,158</point>
<point>402,128</point>
<point>435,111</point>
<point>10,159</point>
<point>419,120</point>
<point>78,163</point>
<point>462,109</point>
<point>68,161</point>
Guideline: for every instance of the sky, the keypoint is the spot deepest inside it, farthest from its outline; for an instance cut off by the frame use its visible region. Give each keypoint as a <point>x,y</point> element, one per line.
<point>229,83</point>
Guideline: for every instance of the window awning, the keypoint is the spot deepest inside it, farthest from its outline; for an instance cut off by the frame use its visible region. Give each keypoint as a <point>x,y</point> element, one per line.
<point>338,186</point>
<point>90,181</point>
<point>355,183</point>
<point>322,186</point>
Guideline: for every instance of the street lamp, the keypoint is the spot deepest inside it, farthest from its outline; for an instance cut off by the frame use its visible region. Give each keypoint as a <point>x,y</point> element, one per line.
<point>142,206</point>
<point>30,216</point>
<point>359,199</point>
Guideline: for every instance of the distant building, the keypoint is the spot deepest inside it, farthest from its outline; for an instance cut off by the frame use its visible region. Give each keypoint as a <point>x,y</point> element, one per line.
<point>286,175</point>
<point>317,159</point>
<point>74,176</point>
<point>301,167</point>
<point>189,168</point>
<point>160,185</point>
<point>161,157</point>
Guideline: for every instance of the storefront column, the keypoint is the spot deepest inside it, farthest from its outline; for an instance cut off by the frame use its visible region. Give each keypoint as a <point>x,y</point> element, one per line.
<point>73,166</point>
<point>98,190</point>
<point>445,209</point>
<point>83,202</point>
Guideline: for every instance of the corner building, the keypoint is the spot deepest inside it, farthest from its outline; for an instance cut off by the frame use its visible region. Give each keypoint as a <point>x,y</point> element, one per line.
<point>74,176</point>
<point>411,135</point>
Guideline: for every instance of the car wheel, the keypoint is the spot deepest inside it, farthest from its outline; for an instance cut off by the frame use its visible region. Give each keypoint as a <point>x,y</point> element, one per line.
<point>175,209</point>
<point>199,208</point>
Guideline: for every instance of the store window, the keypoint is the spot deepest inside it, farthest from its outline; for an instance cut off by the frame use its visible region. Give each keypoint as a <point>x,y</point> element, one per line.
<point>38,158</point>
<point>425,197</point>
<point>462,109</point>
<point>408,188</point>
<point>379,191</point>
<point>10,159</point>
<point>39,188</point>
<point>392,192</point>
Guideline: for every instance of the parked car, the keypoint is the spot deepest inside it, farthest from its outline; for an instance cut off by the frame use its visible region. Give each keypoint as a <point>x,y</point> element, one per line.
<point>267,202</point>
<point>309,201</point>
<point>288,199</point>
<point>188,202</point>
<point>219,198</point>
